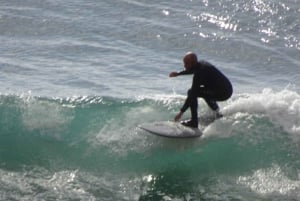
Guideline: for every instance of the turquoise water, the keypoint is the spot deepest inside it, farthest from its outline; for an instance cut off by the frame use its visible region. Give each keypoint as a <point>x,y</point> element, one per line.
<point>78,77</point>
<point>89,148</point>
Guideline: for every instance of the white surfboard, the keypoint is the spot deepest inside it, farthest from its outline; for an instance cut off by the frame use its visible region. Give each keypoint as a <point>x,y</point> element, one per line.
<point>171,129</point>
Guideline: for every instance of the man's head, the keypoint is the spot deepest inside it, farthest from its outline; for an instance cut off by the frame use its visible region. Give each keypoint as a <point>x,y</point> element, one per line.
<point>189,60</point>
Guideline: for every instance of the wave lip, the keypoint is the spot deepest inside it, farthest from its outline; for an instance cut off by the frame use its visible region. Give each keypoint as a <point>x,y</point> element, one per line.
<point>282,108</point>
<point>71,137</point>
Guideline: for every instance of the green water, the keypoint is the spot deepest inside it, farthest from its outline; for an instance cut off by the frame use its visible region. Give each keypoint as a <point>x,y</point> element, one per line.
<point>90,148</point>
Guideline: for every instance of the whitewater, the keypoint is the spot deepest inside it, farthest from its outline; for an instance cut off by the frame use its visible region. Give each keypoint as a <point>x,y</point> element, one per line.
<point>79,77</point>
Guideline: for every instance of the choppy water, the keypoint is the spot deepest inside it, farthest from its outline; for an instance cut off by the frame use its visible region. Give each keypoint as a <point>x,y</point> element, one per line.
<point>77,77</point>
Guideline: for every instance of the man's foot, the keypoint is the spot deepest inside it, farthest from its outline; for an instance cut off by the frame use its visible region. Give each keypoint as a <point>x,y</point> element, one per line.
<point>190,123</point>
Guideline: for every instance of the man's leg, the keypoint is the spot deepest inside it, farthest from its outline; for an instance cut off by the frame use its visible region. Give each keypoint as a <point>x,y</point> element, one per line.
<point>212,104</point>
<point>193,99</point>
<point>192,103</point>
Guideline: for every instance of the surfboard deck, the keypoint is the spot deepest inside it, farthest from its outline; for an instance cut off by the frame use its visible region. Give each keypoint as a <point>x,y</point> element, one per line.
<point>171,129</point>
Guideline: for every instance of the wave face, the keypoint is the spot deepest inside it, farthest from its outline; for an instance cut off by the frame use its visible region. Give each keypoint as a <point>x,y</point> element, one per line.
<point>90,148</point>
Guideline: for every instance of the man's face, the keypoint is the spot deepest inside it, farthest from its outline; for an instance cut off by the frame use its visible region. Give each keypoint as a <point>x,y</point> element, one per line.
<point>187,63</point>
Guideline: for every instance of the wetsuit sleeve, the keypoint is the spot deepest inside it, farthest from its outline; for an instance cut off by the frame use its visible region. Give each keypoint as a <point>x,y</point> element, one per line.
<point>185,72</point>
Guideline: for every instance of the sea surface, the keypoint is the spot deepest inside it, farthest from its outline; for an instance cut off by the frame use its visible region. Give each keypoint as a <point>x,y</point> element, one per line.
<point>77,78</point>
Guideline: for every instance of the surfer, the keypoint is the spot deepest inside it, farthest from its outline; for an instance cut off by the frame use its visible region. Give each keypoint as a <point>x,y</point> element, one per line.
<point>208,83</point>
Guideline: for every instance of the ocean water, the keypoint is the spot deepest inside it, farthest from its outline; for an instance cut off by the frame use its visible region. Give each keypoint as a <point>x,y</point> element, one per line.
<point>78,77</point>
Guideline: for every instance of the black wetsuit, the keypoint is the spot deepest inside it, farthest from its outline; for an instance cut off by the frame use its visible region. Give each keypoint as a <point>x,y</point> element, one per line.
<point>208,83</point>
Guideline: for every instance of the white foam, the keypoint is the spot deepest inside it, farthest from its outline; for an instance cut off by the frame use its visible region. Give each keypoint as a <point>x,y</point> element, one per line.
<point>269,181</point>
<point>121,134</point>
<point>23,185</point>
<point>47,117</point>
<point>282,107</point>
<point>167,99</point>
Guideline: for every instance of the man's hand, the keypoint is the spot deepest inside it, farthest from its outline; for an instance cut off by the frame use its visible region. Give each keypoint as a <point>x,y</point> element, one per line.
<point>173,74</point>
<point>178,116</point>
